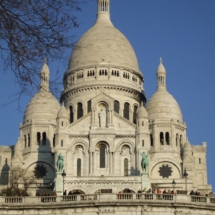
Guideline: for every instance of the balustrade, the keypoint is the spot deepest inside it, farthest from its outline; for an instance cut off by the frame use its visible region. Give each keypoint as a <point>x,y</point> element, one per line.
<point>13,200</point>
<point>198,199</point>
<point>148,197</point>
<point>212,200</point>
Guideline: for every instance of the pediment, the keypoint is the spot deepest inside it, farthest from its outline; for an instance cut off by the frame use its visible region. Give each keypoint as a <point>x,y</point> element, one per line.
<point>102,97</point>
<point>122,123</point>
<point>82,124</point>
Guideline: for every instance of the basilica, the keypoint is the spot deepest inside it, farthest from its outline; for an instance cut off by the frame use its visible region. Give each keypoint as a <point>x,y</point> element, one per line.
<point>103,125</point>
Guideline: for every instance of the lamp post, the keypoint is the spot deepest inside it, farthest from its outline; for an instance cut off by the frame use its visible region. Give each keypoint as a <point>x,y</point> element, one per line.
<point>51,184</point>
<point>63,175</point>
<point>173,185</point>
<point>185,176</point>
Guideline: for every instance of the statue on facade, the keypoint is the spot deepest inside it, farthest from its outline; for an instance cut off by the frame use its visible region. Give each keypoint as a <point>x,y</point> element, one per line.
<point>60,162</point>
<point>144,161</point>
<point>102,118</point>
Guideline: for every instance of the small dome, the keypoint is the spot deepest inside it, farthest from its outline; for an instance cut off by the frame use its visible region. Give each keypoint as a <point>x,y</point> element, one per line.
<point>142,113</point>
<point>43,106</point>
<point>187,146</point>
<point>161,68</point>
<point>62,113</point>
<point>45,68</point>
<point>162,105</point>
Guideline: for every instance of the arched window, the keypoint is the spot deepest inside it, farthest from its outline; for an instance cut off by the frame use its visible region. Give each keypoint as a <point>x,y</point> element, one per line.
<point>61,143</point>
<point>177,140</point>
<point>102,156</point>
<point>126,167</point>
<point>151,140</point>
<point>181,139</point>
<point>80,110</point>
<point>44,138</point>
<point>167,138</point>
<point>116,106</point>
<point>25,141</point>
<point>29,140</point>
<point>71,114</point>
<point>88,106</point>
<point>161,138</point>
<point>126,110</point>
<point>142,123</point>
<point>62,123</point>
<point>79,167</point>
<point>38,138</point>
<point>54,140</point>
<point>135,114</point>
<point>200,161</point>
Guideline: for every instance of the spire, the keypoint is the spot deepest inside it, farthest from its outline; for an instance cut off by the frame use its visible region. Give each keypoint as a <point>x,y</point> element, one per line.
<point>103,10</point>
<point>161,76</point>
<point>44,76</point>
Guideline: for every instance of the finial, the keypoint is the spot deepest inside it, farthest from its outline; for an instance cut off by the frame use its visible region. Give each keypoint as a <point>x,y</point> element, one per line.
<point>161,60</point>
<point>45,60</point>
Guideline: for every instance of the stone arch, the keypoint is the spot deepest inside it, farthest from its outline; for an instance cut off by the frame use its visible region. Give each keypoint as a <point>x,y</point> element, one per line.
<point>109,144</point>
<point>83,143</point>
<point>103,98</point>
<point>125,142</point>
<point>155,166</point>
<point>100,143</point>
<point>40,161</point>
<point>133,190</point>
<point>50,167</point>
<point>76,188</point>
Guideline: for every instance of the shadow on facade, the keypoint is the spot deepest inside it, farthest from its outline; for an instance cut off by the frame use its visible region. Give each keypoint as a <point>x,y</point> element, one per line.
<point>44,168</point>
<point>5,173</point>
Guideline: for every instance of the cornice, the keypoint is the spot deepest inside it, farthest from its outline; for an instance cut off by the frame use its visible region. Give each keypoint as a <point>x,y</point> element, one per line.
<point>132,92</point>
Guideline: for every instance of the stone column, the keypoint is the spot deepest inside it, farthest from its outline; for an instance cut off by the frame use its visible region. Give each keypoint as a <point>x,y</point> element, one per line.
<point>113,162</point>
<point>110,168</point>
<point>90,160</point>
<point>93,163</point>
<point>74,114</point>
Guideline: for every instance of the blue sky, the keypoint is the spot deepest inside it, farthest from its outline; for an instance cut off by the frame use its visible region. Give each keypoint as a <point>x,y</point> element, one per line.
<point>182,32</point>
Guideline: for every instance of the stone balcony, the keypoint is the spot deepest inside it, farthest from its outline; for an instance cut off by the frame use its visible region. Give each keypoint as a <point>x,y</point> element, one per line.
<point>107,199</point>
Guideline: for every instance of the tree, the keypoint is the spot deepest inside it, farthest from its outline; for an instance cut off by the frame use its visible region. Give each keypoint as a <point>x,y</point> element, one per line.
<point>31,30</point>
<point>20,180</point>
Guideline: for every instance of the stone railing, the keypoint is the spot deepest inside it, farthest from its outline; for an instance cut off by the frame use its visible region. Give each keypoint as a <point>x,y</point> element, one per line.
<point>38,200</point>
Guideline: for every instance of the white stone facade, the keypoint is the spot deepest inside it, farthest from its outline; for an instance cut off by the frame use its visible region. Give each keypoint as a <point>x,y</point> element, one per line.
<point>104,124</point>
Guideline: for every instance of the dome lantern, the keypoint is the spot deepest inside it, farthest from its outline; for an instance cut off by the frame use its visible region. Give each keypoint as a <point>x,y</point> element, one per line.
<point>44,77</point>
<point>161,76</point>
<point>103,10</point>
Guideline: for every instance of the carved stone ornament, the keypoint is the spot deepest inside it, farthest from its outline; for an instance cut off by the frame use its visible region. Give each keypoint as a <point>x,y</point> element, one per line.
<point>165,171</point>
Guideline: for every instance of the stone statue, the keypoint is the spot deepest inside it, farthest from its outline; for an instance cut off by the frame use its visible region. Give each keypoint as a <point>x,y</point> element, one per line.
<point>144,161</point>
<point>102,118</point>
<point>60,162</point>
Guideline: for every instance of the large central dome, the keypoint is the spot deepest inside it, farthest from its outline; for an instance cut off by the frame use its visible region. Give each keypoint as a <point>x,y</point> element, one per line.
<point>103,42</point>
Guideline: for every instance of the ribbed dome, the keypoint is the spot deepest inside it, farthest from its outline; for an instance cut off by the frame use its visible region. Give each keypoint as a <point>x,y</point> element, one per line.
<point>62,113</point>
<point>43,106</point>
<point>187,146</point>
<point>103,43</point>
<point>162,105</point>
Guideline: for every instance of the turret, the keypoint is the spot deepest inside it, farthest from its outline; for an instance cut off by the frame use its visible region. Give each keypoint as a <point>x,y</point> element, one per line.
<point>161,76</point>
<point>44,77</point>
<point>62,128</point>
